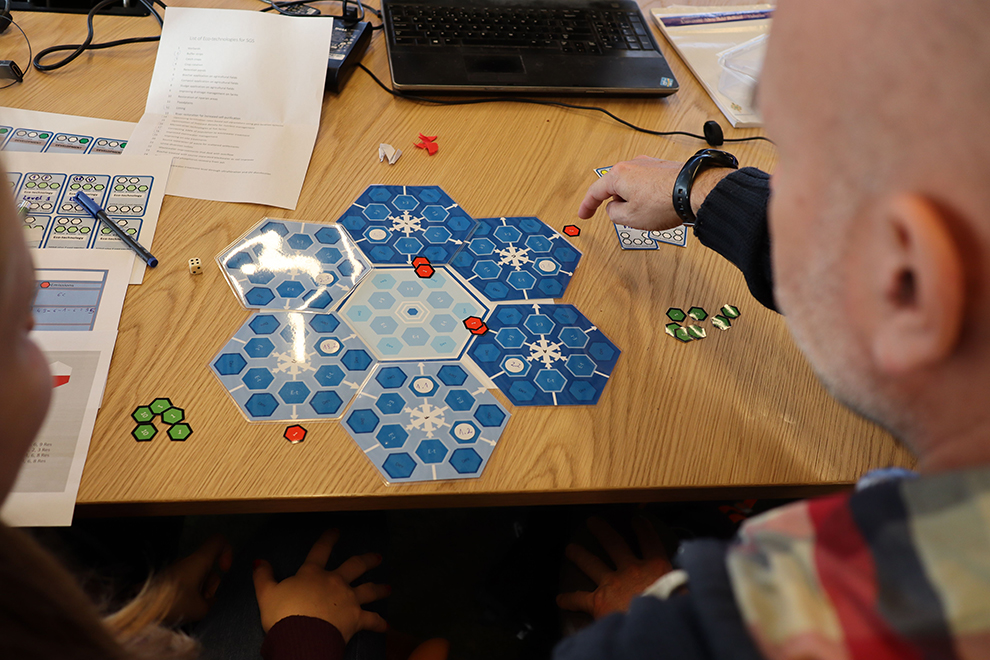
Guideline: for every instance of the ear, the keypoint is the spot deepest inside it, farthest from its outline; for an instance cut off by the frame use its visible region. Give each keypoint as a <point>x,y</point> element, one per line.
<point>918,288</point>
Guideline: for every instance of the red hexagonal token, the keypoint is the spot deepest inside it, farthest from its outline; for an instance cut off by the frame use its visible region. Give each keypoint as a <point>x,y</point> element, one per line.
<point>473,323</point>
<point>420,261</point>
<point>425,271</point>
<point>295,434</point>
<point>572,230</point>
<point>480,330</point>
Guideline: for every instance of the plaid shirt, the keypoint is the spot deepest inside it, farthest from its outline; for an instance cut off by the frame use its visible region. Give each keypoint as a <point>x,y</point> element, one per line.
<point>897,570</point>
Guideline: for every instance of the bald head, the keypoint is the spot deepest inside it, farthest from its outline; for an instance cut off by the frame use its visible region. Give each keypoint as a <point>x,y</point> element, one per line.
<point>880,213</point>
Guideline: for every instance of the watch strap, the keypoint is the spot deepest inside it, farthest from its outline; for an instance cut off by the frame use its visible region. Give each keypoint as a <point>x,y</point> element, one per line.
<point>700,161</point>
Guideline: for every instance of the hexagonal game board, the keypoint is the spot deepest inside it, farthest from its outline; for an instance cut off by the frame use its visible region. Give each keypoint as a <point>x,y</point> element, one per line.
<point>281,264</point>
<point>395,224</point>
<point>517,259</point>
<point>427,421</point>
<point>293,366</point>
<point>541,355</point>
<point>403,316</point>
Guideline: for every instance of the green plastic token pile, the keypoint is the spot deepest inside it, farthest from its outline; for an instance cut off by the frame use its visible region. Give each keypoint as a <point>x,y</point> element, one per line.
<point>178,428</point>
<point>695,315</point>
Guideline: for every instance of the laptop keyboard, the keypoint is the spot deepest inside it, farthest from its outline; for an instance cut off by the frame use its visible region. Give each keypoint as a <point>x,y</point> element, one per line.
<point>594,31</point>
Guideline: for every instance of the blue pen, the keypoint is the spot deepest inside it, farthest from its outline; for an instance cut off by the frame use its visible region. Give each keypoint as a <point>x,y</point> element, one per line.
<point>101,215</point>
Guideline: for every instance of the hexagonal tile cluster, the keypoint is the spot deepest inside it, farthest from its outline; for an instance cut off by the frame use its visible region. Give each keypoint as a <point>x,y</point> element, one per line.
<point>290,365</point>
<point>404,286</point>
<point>178,426</point>
<point>394,224</point>
<point>403,316</point>
<point>281,264</point>
<point>541,355</point>
<point>426,421</point>
<point>517,259</point>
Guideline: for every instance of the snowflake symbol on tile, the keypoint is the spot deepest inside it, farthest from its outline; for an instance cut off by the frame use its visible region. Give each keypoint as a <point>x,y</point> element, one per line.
<point>514,256</point>
<point>287,363</point>
<point>403,316</point>
<point>425,421</point>
<point>293,365</point>
<point>395,224</point>
<point>516,259</point>
<point>281,264</point>
<point>426,418</point>
<point>544,351</point>
<point>541,355</point>
<point>406,223</point>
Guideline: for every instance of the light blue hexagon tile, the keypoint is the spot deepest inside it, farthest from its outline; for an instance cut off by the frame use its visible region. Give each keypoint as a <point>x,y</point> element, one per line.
<point>425,421</point>
<point>396,224</point>
<point>293,366</point>
<point>517,259</point>
<point>283,264</point>
<point>544,355</point>
<point>402,316</point>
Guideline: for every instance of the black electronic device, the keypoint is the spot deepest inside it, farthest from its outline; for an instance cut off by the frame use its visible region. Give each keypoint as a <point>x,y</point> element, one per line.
<point>347,45</point>
<point>122,8</point>
<point>523,46</point>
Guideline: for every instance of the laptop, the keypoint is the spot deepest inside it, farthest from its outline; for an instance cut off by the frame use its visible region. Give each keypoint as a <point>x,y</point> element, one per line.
<point>523,46</point>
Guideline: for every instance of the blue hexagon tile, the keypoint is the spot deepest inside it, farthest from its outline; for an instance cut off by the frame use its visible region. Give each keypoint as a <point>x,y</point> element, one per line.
<point>282,264</point>
<point>292,365</point>
<point>517,259</point>
<point>541,355</point>
<point>395,224</point>
<point>402,316</point>
<point>426,421</point>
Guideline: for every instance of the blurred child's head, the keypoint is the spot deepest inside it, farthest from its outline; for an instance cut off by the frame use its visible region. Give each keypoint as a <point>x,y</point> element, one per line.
<point>25,382</point>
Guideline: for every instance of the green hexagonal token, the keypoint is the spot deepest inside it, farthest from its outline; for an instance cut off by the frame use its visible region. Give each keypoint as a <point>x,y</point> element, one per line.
<point>158,406</point>
<point>730,311</point>
<point>676,315</point>
<point>83,140</point>
<point>696,332</point>
<point>698,314</point>
<point>173,415</point>
<point>143,414</point>
<point>682,334</point>
<point>721,322</point>
<point>144,432</point>
<point>179,431</point>
<point>671,328</point>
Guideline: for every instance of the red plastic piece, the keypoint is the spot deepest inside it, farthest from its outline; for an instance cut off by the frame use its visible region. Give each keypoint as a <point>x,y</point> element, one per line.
<point>420,261</point>
<point>475,325</point>
<point>572,230</point>
<point>425,271</point>
<point>428,143</point>
<point>295,434</point>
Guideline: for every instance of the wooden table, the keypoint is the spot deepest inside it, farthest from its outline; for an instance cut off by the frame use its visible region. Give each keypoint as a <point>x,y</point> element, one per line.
<point>739,413</point>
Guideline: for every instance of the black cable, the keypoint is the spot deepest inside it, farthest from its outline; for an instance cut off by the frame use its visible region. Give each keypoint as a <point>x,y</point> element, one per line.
<point>14,23</point>
<point>558,104</point>
<point>79,49</point>
<point>281,6</point>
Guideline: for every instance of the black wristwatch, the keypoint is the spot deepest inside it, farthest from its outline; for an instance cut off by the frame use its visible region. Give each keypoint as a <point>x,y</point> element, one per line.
<point>682,186</point>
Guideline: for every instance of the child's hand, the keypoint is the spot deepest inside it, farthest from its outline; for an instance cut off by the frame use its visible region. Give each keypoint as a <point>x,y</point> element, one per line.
<point>316,592</point>
<point>193,580</point>
<point>616,588</point>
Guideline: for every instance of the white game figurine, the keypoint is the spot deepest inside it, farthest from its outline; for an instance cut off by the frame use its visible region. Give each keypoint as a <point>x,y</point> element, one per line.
<point>387,151</point>
<point>195,267</point>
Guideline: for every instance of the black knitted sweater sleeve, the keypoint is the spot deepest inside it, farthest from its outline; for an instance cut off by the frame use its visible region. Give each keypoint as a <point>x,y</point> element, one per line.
<point>733,222</point>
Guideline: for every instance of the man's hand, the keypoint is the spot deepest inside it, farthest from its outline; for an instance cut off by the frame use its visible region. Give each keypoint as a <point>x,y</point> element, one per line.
<point>316,592</point>
<point>194,580</point>
<point>616,588</point>
<point>641,191</point>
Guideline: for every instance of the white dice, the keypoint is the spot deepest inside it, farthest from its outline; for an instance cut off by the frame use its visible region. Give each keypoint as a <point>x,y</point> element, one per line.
<point>195,266</point>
